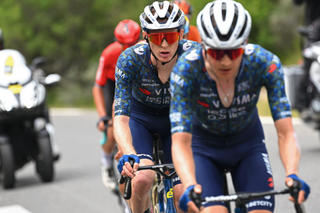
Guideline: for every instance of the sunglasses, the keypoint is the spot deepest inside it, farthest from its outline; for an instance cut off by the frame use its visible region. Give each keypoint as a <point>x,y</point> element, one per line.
<point>170,37</point>
<point>218,54</point>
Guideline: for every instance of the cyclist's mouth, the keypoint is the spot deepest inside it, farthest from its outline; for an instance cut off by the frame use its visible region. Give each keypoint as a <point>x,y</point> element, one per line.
<point>164,54</point>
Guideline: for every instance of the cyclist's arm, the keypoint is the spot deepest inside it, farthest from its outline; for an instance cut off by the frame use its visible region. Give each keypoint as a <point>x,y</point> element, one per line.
<point>288,145</point>
<point>183,160</point>
<point>122,134</point>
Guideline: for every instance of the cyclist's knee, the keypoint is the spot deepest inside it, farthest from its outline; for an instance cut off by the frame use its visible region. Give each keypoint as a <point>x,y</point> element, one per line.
<point>142,183</point>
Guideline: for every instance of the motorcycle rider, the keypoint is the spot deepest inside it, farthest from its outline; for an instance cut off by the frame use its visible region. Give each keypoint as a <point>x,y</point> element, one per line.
<point>312,21</point>
<point>127,33</point>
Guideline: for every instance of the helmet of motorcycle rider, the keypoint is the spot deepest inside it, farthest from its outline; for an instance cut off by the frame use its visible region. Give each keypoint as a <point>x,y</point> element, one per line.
<point>224,24</point>
<point>127,32</point>
<point>185,6</point>
<point>162,15</point>
<point>1,40</point>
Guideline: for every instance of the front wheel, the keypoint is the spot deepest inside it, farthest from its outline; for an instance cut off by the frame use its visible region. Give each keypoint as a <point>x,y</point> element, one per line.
<point>44,161</point>
<point>7,166</point>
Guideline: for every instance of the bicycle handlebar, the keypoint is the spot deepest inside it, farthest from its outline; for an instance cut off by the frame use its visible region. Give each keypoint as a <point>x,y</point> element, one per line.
<point>156,168</point>
<point>246,197</point>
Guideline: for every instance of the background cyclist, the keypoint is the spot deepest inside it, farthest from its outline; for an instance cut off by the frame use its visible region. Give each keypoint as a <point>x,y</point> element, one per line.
<point>187,8</point>
<point>214,118</point>
<point>142,96</point>
<point>127,33</point>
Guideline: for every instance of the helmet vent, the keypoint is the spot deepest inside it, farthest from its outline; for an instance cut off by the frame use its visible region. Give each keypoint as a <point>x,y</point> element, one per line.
<point>224,8</point>
<point>244,27</point>
<point>204,27</point>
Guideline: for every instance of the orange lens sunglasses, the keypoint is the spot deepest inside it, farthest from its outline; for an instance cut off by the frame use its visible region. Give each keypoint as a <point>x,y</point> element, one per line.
<point>170,37</point>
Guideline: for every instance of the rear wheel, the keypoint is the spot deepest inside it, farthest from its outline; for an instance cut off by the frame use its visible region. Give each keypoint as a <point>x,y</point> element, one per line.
<point>7,166</point>
<point>44,161</point>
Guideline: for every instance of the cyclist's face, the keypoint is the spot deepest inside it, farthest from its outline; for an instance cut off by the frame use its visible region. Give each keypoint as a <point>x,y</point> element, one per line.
<point>225,68</point>
<point>165,51</point>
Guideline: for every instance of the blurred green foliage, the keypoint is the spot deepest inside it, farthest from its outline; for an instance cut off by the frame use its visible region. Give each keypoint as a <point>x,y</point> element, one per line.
<point>72,34</point>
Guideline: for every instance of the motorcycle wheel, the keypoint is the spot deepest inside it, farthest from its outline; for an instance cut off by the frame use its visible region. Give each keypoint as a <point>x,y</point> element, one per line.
<point>7,166</point>
<point>44,161</point>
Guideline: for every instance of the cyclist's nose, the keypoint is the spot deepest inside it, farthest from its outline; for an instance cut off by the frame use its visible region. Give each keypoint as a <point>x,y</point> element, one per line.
<point>164,43</point>
<point>225,60</point>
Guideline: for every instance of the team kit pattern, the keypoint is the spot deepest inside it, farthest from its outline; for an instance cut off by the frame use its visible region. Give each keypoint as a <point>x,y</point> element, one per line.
<point>139,80</point>
<point>195,98</point>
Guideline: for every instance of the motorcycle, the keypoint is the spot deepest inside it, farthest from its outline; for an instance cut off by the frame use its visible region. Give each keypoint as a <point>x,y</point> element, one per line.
<point>26,133</point>
<point>294,75</point>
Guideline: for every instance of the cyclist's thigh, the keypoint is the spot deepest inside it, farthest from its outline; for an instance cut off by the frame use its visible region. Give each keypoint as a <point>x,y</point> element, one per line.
<point>142,139</point>
<point>253,174</point>
<point>108,93</point>
<point>209,176</point>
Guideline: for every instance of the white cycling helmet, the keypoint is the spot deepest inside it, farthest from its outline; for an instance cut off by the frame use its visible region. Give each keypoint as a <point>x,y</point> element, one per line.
<point>149,18</point>
<point>224,24</point>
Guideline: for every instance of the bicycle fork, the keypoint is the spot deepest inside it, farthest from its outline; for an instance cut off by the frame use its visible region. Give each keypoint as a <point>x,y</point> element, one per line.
<point>166,192</point>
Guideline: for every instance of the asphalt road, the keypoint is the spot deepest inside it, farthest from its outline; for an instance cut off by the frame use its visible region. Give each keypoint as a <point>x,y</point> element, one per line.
<point>77,187</point>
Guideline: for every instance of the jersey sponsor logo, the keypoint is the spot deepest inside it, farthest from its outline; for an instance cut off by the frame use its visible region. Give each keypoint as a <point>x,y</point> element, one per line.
<point>203,103</point>
<point>286,113</point>
<point>119,73</point>
<point>267,163</point>
<point>270,180</point>
<point>159,100</point>
<point>177,79</point>
<point>244,99</point>
<point>145,91</point>
<point>243,86</point>
<point>118,111</point>
<point>192,56</point>
<point>117,101</point>
<point>177,129</point>
<point>139,50</point>
<point>149,82</point>
<point>249,49</point>
<point>186,46</point>
<point>208,95</point>
<point>239,100</point>
<point>284,100</point>
<point>222,114</point>
<point>165,91</point>
<point>175,117</point>
<point>259,203</point>
<point>275,59</point>
<point>272,68</point>
<point>150,85</point>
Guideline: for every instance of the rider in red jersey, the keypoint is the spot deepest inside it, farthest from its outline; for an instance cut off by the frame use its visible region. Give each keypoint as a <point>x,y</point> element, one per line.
<point>127,33</point>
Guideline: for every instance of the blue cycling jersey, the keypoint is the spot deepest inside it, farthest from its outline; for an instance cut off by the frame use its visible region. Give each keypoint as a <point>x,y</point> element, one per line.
<point>195,99</point>
<point>136,78</point>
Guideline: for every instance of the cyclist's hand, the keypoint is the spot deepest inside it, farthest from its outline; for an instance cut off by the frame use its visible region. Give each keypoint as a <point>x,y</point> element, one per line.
<point>124,166</point>
<point>186,203</point>
<point>304,191</point>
